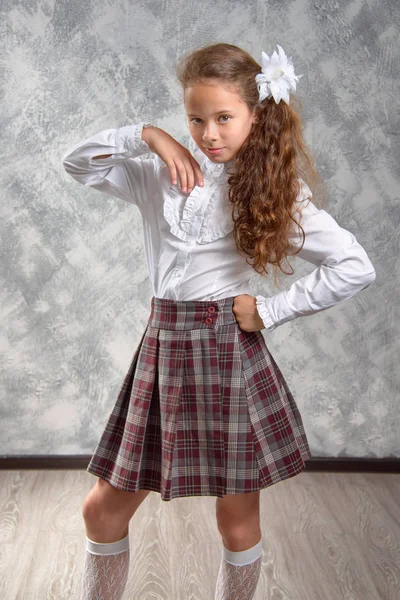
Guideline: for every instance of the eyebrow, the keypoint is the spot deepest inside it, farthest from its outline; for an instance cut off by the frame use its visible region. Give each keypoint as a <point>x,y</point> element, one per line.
<point>220,112</point>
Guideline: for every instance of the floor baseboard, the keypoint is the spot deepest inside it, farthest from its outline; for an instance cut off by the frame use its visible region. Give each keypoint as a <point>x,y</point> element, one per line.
<point>316,463</point>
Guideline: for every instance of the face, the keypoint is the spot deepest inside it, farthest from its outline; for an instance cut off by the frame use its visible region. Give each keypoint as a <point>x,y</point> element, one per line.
<point>218,119</point>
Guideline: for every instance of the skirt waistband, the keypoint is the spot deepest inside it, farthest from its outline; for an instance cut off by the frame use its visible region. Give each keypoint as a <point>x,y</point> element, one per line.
<point>191,314</point>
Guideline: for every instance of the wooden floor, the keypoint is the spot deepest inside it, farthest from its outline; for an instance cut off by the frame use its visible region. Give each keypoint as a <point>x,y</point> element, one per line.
<point>326,536</point>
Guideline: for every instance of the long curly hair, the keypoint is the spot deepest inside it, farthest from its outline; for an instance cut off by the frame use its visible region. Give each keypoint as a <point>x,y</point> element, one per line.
<point>265,185</point>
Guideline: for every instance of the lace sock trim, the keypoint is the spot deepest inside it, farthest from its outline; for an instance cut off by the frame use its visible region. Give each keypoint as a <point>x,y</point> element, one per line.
<point>239,573</point>
<point>105,570</point>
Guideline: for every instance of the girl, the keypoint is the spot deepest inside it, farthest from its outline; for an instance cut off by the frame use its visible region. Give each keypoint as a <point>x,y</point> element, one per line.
<point>204,408</point>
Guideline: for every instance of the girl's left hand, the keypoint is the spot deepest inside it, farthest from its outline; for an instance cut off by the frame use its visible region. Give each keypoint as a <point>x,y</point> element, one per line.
<point>246,313</point>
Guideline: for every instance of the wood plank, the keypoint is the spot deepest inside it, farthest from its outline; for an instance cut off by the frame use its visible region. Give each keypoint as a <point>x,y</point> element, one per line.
<point>326,536</point>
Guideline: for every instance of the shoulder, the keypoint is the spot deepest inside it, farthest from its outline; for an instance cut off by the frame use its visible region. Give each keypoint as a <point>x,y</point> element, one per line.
<point>303,206</point>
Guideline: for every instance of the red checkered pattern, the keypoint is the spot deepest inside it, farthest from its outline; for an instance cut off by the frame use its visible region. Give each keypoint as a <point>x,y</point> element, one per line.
<point>203,411</point>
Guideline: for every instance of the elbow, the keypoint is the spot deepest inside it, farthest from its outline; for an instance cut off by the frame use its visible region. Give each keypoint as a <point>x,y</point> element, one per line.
<point>372,275</point>
<point>366,270</point>
<point>66,164</point>
<point>369,276</point>
<point>70,161</point>
<point>74,170</point>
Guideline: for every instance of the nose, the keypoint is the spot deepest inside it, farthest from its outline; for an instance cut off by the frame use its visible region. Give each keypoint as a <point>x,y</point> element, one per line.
<point>210,133</point>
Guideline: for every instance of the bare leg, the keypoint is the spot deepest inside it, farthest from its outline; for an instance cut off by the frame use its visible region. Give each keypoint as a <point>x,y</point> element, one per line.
<point>107,512</point>
<point>239,524</point>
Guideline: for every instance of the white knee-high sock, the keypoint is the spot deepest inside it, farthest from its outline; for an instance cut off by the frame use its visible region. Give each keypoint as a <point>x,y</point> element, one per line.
<point>106,570</point>
<point>239,573</point>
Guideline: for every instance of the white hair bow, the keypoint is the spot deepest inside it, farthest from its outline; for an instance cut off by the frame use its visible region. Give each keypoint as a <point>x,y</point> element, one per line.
<point>277,76</point>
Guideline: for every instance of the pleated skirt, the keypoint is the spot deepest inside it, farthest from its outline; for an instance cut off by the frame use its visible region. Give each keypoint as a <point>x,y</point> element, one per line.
<point>204,409</point>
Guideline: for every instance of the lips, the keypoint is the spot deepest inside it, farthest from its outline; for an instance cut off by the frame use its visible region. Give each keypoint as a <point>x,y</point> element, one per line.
<point>214,150</point>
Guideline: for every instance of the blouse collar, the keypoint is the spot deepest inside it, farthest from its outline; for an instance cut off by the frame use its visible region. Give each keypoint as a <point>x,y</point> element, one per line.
<point>216,171</point>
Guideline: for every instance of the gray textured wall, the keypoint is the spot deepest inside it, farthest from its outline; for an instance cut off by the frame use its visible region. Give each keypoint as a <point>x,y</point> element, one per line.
<point>75,294</point>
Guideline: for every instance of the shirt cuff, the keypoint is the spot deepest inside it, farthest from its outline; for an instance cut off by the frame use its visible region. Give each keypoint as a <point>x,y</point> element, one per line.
<point>130,139</point>
<point>128,143</point>
<point>264,313</point>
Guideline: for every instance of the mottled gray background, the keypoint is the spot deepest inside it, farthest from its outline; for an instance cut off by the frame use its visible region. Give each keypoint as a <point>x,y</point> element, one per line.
<point>75,294</point>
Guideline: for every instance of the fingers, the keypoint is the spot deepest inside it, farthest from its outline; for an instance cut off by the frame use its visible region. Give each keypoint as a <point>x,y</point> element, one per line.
<point>190,176</point>
<point>182,176</point>
<point>197,172</point>
<point>181,163</point>
<point>189,173</point>
<point>173,173</point>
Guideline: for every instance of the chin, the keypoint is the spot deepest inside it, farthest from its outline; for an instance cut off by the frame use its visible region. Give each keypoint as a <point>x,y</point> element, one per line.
<point>225,159</point>
<point>216,159</point>
<point>219,159</point>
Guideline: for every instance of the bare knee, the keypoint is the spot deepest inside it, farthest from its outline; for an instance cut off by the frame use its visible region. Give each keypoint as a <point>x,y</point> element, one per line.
<point>93,508</point>
<point>238,509</point>
<point>100,525</point>
<point>241,537</point>
<point>107,511</point>
<point>238,518</point>
<point>234,528</point>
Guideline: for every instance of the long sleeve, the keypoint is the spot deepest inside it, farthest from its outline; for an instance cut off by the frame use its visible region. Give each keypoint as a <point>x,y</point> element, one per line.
<point>127,174</point>
<point>342,269</point>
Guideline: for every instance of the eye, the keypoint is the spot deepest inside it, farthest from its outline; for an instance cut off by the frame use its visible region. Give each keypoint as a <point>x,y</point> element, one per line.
<point>225,117</point>
<point>195,119</point>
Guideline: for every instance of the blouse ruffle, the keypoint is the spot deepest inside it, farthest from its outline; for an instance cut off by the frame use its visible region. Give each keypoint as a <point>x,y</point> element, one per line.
<point>181,212</point>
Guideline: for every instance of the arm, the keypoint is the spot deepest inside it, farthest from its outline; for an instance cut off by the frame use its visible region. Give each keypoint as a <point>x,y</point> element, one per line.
<point>112,161</point>
<point>342,269</point>
<point>145,138</point>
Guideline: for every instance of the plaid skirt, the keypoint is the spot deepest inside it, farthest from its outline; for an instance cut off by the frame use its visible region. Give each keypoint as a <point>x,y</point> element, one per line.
<point>203,411</point>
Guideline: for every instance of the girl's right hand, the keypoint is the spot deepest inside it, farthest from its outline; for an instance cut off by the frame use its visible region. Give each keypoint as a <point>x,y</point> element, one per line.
<point>177,158</point>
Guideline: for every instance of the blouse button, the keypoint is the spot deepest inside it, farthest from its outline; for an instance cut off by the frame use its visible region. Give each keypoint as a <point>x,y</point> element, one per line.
<point>208,320</point>
<point>211,309</point>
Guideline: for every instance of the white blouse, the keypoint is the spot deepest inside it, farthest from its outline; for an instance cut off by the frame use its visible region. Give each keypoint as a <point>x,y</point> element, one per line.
<point>189,244</point>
